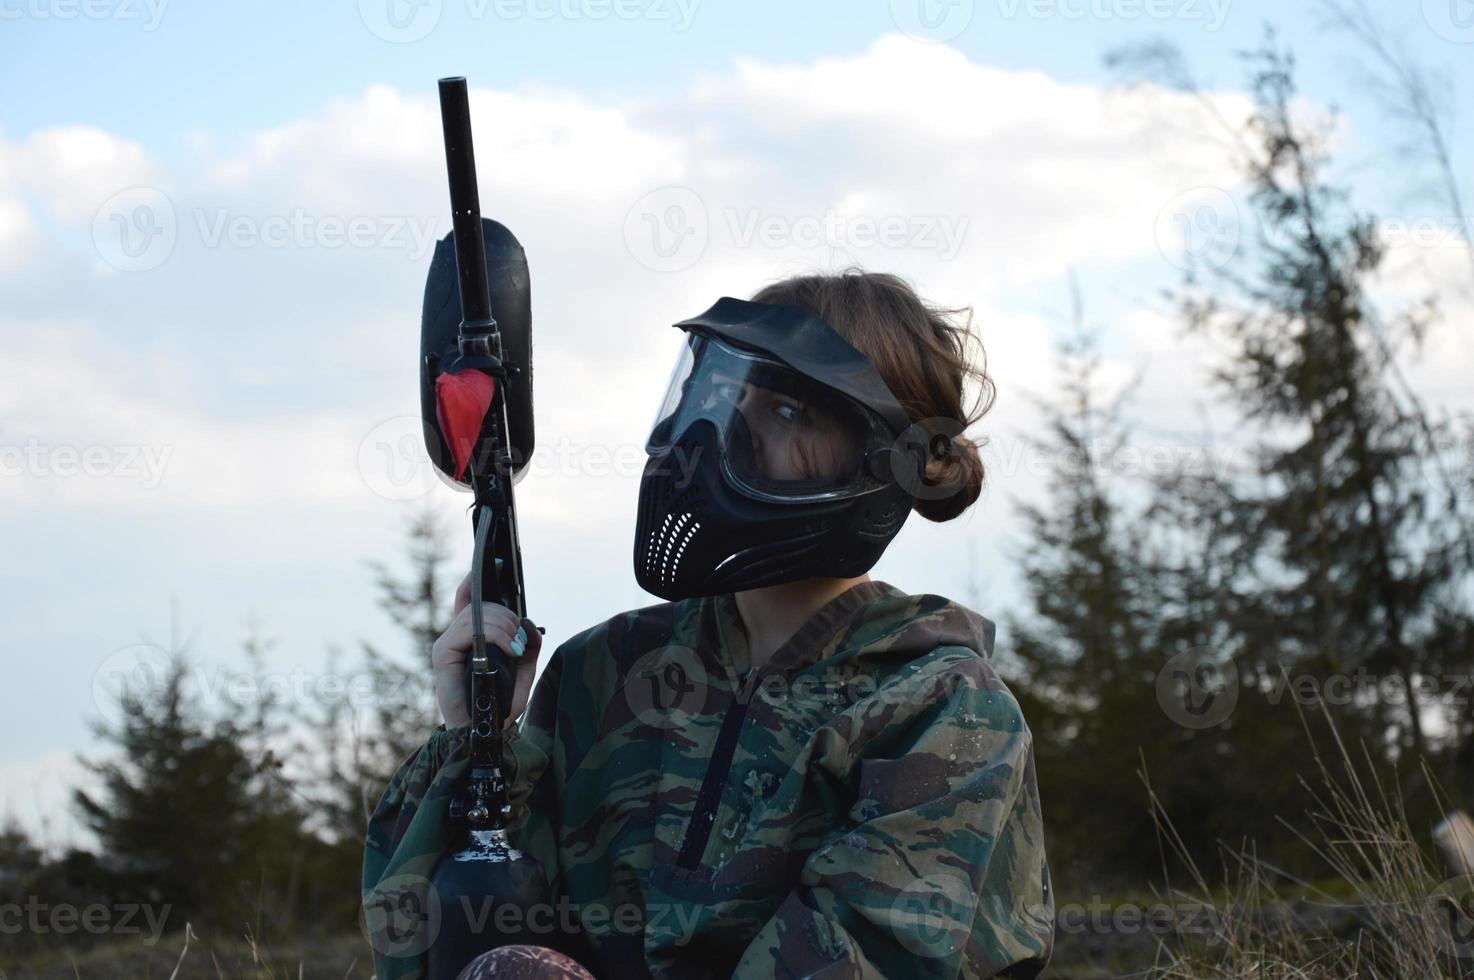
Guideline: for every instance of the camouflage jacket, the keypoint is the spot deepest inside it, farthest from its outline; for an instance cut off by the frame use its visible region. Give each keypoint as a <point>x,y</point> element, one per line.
<point>864,806</point>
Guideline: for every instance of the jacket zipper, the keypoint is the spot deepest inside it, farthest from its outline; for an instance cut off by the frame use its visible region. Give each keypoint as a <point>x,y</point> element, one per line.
<point>703,816</point>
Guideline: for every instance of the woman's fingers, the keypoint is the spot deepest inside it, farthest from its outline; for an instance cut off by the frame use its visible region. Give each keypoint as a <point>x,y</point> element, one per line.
<point>450,652</point>
<point>526,672</point>
<point>454,645</point>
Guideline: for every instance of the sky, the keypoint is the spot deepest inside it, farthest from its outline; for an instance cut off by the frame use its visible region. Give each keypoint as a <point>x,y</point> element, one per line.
<point>215,222</point>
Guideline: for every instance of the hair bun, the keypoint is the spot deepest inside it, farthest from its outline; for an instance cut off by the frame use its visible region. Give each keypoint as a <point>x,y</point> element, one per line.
<point>953,480</point>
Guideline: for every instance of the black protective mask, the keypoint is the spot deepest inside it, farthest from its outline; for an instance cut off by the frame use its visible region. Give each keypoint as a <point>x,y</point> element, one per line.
<point>777,455</point>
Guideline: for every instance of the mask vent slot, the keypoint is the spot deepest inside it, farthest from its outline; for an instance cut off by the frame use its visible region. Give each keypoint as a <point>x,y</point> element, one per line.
<point>681,550</point>
<point>668,534</point>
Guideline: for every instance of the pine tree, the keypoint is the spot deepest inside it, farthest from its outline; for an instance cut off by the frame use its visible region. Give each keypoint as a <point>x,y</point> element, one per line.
<point>1345,520</point>
<point>1085,647</point>
<point>186,815</point>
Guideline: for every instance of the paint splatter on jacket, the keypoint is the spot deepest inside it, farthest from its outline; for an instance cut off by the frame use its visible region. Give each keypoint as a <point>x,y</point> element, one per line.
<point>864,806</point>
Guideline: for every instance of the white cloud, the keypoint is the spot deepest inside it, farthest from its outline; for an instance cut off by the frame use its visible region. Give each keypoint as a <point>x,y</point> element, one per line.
<point>271,372</point>
<point>74,169</point>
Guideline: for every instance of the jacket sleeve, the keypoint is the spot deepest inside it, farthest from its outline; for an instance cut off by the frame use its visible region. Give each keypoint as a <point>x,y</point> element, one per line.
<point>410,830</point>
<point>940,871</point>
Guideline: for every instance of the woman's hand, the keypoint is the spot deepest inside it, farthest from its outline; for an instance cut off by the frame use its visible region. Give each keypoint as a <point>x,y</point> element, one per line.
<point>451,651</point>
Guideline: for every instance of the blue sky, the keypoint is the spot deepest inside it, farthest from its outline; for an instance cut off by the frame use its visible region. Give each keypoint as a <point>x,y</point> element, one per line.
<point>152,70</point>
<point>239,482</point>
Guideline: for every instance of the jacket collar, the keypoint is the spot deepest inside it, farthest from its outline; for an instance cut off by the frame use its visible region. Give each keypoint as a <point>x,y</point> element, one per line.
<point>814,640</point>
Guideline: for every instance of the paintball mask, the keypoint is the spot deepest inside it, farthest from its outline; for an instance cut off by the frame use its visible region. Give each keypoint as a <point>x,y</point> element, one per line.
<point>777,454</point>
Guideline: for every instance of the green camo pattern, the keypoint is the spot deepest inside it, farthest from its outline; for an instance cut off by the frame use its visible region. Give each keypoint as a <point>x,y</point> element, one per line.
<point>878,816</point>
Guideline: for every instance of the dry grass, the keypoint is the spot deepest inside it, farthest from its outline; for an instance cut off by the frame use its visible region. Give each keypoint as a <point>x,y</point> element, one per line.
<point>1401,918</point>
<point>185,956</point>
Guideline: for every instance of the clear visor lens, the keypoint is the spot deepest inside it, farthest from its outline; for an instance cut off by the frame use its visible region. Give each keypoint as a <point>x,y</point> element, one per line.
<point>781,434</point>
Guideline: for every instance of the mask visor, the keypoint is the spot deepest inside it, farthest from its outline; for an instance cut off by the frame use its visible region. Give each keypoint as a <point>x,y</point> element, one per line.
<point>781,435</point>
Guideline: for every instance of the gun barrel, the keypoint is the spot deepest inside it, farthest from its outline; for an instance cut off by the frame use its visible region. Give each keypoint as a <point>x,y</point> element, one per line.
<point>465,203</point>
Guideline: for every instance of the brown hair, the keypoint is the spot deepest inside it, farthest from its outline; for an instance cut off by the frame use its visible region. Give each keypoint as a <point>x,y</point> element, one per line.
<point>922,354</point>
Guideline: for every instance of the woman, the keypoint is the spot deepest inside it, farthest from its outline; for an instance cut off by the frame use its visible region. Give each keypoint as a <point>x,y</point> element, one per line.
<point>787,769</point>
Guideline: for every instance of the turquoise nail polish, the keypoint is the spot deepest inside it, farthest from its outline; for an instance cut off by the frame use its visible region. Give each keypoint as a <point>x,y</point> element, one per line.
<point>517,648</point>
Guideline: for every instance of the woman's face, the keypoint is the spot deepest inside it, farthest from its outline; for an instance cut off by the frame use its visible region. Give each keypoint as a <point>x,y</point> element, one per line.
<point>792,439</point>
